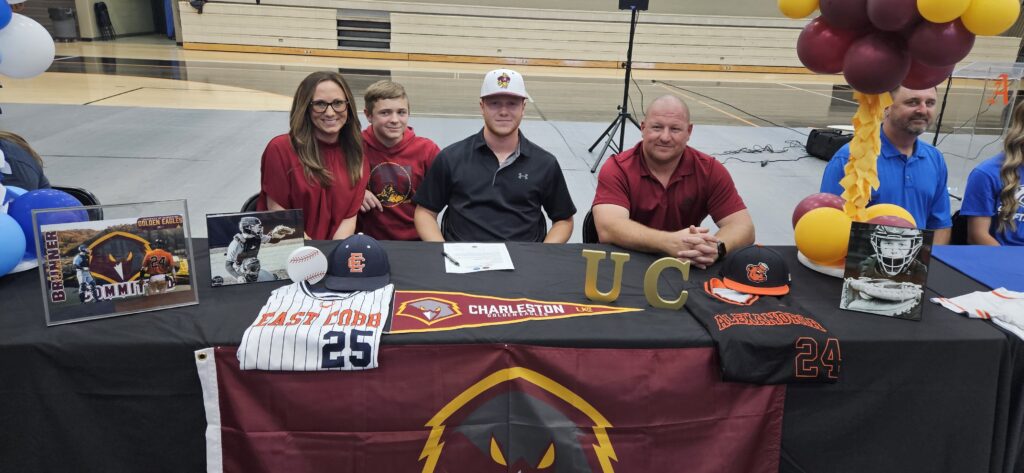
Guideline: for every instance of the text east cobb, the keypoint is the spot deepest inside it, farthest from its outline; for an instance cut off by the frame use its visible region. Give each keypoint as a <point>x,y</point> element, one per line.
<point>515,310</point>
<point>344,318</point>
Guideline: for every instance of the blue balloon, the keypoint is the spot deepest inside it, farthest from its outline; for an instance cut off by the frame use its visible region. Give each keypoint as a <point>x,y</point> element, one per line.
<point>22,207</point>
<point>13,244</point>
<point>13,192</point>
<point>5,14</point>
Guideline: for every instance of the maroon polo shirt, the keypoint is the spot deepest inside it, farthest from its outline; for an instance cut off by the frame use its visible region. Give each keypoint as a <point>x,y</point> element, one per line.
<point>700,186</point>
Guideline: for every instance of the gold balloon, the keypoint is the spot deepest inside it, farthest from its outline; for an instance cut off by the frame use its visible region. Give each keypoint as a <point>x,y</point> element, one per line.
<point>823,234</point>
<point>797,9</point>
<point>990,17</point>
<point>836,264</point>
<point>894,210</point>
<point>942,11</point>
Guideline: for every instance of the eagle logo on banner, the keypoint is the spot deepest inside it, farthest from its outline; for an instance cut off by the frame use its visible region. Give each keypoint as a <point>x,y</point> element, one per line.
<point>430,309</point>
<point>117,257</point>
<point>556,430</point>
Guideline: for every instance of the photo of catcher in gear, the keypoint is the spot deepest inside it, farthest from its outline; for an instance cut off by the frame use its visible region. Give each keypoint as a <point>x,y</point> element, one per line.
<point>87,291</point>
<point>886,270</point>
<point>240,251</point>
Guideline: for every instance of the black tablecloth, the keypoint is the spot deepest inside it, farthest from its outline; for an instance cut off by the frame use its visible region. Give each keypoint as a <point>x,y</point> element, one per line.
<point>121,394</point>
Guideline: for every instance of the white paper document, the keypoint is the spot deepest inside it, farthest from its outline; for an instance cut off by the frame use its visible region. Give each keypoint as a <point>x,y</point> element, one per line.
<point>474,257</point>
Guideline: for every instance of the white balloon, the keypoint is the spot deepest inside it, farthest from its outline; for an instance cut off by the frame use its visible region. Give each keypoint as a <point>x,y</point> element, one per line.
<point>26,48</point>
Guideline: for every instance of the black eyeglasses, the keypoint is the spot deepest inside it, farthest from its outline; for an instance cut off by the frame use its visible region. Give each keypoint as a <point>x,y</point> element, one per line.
<point>319,106</point>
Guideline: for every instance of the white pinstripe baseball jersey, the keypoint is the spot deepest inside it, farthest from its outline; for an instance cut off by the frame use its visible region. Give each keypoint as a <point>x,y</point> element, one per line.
<point>299,330</point>
<point>1002,306</point>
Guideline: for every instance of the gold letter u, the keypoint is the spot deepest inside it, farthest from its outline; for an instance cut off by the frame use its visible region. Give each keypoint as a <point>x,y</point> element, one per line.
<point>594,258</point>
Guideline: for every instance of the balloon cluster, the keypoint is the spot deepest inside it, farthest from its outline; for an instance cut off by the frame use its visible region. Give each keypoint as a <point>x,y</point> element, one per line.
<point>17,231</point>
<point>822,230</point>
<point>26,48</point>
<point>879,45</point>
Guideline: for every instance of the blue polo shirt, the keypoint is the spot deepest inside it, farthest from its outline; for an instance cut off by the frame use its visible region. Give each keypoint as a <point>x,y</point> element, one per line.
<point>916,182</point>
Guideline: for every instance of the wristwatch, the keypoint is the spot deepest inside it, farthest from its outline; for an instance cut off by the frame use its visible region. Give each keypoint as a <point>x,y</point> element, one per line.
<point>721,251</point>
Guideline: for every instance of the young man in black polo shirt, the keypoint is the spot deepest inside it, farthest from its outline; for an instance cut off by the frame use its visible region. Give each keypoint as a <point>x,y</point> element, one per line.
<point>495,182</point>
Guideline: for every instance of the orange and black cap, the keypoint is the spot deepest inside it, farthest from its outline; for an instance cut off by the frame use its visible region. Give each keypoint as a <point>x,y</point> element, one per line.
<point>756,270</point>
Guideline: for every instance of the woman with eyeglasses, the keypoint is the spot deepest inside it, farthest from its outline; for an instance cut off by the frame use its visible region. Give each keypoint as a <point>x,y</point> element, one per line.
<point>318,166</point>
<point>994,197</point>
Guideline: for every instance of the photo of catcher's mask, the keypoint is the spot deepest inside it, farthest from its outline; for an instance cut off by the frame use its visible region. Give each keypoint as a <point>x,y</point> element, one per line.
<point>895,247</point>
<point>250,226</point>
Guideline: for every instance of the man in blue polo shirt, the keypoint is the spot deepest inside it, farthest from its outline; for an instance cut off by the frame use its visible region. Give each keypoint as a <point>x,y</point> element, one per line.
<point>911,173</point>
<point>495,183</point>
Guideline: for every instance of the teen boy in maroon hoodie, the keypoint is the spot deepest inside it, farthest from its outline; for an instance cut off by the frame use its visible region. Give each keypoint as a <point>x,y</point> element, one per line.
<point>398,161</point>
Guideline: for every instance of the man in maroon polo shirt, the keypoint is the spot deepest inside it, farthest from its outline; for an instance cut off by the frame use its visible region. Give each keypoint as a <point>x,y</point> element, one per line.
<point>653,197</point>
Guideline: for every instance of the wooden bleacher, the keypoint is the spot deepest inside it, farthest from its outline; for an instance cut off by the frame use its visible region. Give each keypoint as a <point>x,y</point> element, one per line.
<point>487,34</point>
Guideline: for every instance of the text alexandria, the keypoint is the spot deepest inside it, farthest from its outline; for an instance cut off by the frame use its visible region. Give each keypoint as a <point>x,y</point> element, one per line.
<point>766,319</point>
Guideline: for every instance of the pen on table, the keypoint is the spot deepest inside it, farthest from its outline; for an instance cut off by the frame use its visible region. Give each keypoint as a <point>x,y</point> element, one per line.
<point>446,255</point>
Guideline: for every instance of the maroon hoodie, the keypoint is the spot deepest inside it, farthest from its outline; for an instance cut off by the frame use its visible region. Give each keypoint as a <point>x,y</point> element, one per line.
<point>395,174</point>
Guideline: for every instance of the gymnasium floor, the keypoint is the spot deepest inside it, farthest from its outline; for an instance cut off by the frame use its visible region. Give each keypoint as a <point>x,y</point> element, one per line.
<point>141,119</point>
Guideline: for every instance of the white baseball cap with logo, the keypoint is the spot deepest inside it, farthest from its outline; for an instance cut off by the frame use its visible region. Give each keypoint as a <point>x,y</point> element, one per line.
<point>504,82</point>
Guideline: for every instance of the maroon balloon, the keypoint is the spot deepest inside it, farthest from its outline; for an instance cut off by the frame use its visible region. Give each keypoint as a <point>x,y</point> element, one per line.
<point>893,15</point>
<point>940,44</point>
<point>923,77</point>
<point>822,47</point>
<point>813,201</point>
<point>876,63</point>
<point>891,221</point>
<point>849,14</point>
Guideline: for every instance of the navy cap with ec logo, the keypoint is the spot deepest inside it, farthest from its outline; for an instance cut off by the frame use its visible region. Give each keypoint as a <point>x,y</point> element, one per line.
<point>357,263</point>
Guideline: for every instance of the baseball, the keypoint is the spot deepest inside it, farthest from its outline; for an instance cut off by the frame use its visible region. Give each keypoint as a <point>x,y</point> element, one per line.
<point>307,264</point>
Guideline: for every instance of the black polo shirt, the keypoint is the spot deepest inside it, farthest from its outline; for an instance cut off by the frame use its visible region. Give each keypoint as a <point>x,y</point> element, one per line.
<point>488,203</point>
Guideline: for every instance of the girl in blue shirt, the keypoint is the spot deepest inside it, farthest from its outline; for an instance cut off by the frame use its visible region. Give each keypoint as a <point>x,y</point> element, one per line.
<point>994,198</point>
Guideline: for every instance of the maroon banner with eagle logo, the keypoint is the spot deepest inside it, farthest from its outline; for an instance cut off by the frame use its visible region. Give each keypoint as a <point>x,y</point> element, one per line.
<point>426,311</point>
<point>492,408</point>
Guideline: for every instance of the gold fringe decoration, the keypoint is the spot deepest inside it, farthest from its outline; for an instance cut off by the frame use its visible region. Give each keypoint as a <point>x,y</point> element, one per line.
<point>861,169</point>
